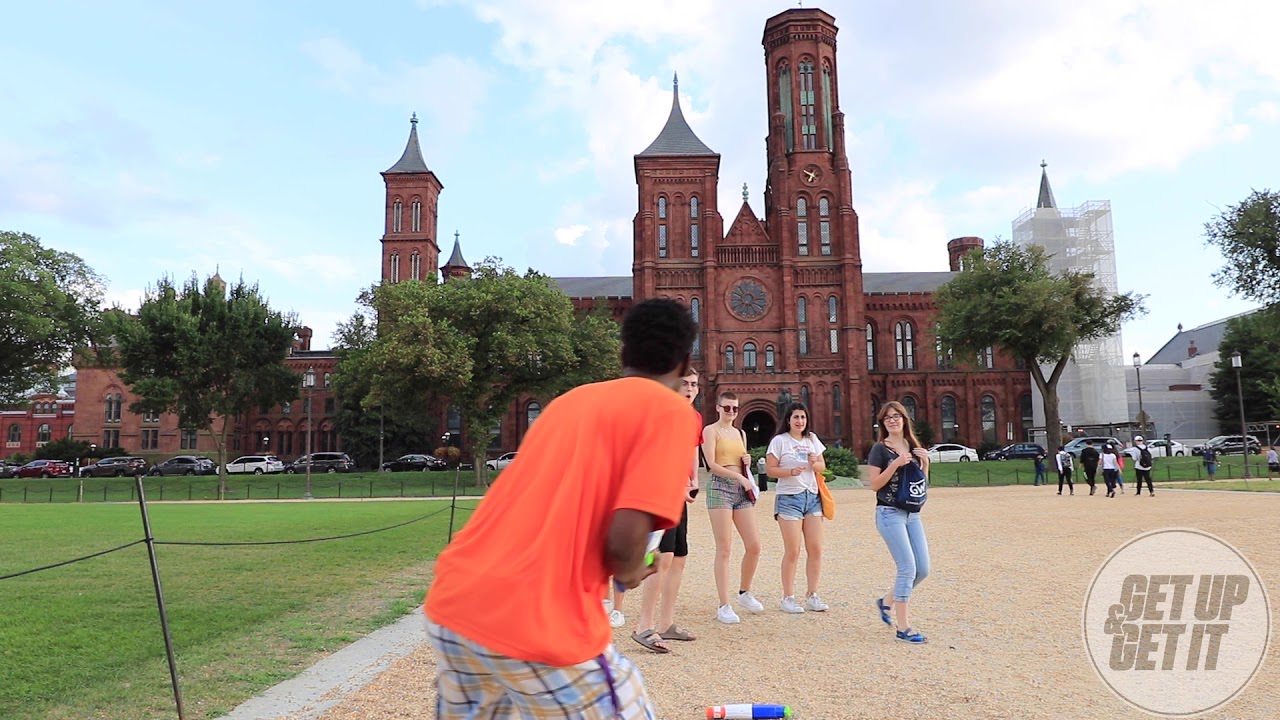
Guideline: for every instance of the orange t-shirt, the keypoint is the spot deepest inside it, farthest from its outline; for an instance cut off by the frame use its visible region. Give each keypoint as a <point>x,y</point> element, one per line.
<point>526,575</point>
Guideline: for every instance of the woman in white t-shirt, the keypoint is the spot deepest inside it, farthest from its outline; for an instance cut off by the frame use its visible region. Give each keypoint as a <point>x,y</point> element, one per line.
<point>795,458</point>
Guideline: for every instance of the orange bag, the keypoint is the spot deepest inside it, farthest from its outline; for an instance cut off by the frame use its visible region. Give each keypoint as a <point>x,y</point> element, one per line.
<point>828,502</point>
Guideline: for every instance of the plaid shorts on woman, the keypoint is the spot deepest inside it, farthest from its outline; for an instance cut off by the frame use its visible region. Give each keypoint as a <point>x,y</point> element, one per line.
<point>475,682</point>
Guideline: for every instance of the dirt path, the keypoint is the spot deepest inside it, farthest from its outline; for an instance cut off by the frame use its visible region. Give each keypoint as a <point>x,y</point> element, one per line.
<point>1002,611</point>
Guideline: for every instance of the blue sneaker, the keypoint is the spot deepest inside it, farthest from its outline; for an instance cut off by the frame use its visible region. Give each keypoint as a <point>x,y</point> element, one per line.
<point>911,636</point>
<point>884,612</point>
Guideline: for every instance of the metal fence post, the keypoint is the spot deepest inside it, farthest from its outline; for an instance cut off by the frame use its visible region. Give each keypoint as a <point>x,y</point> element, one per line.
<point>164,616</point>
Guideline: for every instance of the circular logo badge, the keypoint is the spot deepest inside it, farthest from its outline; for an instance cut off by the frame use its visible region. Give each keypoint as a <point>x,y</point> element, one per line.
<point>1176,622</point>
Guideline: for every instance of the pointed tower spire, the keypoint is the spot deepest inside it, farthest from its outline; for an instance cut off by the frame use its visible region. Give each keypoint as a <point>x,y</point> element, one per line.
<point>456,266</point>
<point>676,138</point>
<point>1046,193</point>
<point>411,161</point>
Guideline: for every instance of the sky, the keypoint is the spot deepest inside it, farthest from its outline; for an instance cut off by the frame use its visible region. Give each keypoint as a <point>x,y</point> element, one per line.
<point>165,139</point>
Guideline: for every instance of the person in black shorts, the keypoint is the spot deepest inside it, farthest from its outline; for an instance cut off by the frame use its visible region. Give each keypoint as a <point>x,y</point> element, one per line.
<point>658,591</point>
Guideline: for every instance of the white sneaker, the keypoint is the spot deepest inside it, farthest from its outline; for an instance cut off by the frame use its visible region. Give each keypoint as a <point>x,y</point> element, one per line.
<point>727,616</point>
<point>749,601</point>
<point>815,603</point>
<point>617,619</point>
<point>789,605</point>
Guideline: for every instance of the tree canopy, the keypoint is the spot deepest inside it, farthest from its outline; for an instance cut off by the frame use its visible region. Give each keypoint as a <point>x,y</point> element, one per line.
<point>1005,296</point>
<point>1248,235</point>
<point>204,353</point>
<point>1257,337</point>
<point>50,305</point>
<point>480,344</point>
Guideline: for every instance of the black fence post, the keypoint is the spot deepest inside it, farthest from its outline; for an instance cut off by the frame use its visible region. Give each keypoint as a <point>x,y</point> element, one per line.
<point>188,489</point>
<point>164,616</point>
<point>277,490</point>
<point>371,488</point>
<point>401,488</point>
<point>50,494</point>
<point>339,488</point>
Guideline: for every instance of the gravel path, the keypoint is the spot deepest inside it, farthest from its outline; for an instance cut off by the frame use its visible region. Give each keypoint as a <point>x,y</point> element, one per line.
<point>1002,610</point>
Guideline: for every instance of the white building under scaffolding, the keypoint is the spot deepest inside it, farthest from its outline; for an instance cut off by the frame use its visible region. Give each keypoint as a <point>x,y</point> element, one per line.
<point>1091,391</point>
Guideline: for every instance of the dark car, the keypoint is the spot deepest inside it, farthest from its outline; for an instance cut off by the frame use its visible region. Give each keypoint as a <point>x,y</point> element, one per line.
<point>115,467</point>
<point>328,462</point>
<point>45,469</point>
<point>415,462</point>
<point>1229,445</point>
<point>1016,451</point>
<point>185,465</point>
<point>8,468</point>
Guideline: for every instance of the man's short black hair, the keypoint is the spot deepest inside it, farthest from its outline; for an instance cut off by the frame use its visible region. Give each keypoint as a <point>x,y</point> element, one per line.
<point>657,336</point>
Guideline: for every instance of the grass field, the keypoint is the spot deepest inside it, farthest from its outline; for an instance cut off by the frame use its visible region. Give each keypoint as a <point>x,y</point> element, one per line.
<point>84,640</point>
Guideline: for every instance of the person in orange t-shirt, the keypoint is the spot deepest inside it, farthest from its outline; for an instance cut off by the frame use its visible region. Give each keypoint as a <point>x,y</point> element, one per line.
<point>514,612</point>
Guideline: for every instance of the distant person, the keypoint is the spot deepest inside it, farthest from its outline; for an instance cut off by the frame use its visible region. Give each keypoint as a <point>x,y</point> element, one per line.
<point>514,612</point>
<point>1039,465</point>
<point>1273,460</point>
<point>1142,464</point>
<point>1064,461</point>
<point>1211,462</point>
<point>1110,468</point>
<point>1089,457</point>
<point>731,502</point>
<point>1120,456</point>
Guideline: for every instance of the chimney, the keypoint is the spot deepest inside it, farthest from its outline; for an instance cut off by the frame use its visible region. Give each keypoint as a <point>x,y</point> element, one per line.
<point>961,246</point>
<point>1192,351</point>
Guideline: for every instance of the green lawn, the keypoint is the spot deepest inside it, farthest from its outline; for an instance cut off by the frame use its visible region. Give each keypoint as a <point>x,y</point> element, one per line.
<point>1022,472</point>
<point>241,487</point>
<point>1254,485</point>
<point>84,641</point>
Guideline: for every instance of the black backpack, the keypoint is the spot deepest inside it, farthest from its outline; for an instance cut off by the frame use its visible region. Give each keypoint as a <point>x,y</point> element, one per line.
<point>1144,456</point>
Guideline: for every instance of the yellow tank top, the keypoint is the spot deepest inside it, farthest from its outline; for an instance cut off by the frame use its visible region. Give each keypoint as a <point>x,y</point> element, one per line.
<point>729,448</point>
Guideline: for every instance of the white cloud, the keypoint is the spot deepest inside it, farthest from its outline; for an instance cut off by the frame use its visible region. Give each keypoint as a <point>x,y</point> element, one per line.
<point>570,235</point>
<point>1266,111</point>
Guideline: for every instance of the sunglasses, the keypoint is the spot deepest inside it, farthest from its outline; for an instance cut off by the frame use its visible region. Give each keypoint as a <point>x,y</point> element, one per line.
<point>729,408</point>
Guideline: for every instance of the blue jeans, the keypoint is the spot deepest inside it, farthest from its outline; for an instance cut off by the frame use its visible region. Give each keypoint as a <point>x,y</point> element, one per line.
<point>903,532</point>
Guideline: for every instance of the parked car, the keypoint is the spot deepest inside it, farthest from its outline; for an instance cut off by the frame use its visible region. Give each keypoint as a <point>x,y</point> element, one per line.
<point>328,462</point>
<point>1099,441</point>
<point>414,461</point>
<point>256,464</point>
<point>1229,445</point>
<point>1158,448</point>
<point>185,465</point>
<point>8,468</point>
<point>45,469</point>
<point>951,452</point>
<point>115,467</point>
<point>1016,451</point>
<point>501,462</point>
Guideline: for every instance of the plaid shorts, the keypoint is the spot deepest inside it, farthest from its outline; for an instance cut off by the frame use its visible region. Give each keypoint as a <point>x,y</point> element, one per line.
<point>475,682</point>
<point>727,494</point>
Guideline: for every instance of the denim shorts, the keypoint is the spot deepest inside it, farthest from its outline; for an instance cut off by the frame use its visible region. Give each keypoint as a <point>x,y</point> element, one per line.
<point>727,494</point>
<point>797,506</point>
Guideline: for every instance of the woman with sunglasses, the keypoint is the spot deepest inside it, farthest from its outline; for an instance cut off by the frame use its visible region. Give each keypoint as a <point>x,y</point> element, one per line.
<point>731,500</point>
<point>903,531</point>
<point>795,459</point>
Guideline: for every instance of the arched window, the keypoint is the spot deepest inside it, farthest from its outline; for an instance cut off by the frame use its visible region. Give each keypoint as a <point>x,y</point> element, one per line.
<point>804,400</point>
<point>662,226</point>
<point>987,358</point>
<point>824,226</point>
<point>531,413</point>
<point>749,357</point>
<point>417,216</point>
<point>695,309</point>
<point>833,333</point>
<point>837,411</point>
<point>946,357</point>
<point>662,207</point>
<point>44,433</point>
<point>15,433</point>
<point>1028,416</point>
<point>397,211</point>
<point>950,432</point>
<point>768,358</point>
<point>328,380</point>
<point>909,403</point>
<point>808,121</point>
<point>784,103</point>
<point>395,267</point>
<point>415,266</point>
<point>802,319</point>
<point>694,238</point>
<point>802,226</point>
<point>828,101</point>
<point>286,408</point>
<point>988,419</point>
<point>871,347</point>
<point>728,358</point>
<point>904,346</point>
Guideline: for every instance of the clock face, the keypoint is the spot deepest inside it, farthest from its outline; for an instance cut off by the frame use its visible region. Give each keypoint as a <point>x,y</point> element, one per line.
<point>748,299</point>
<point>811,174</point>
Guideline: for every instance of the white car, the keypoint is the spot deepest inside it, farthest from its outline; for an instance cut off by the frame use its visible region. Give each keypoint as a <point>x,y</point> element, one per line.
<point>501,462</point>
<point>1158,448</point>
<point>256,464</point>
<point>951,452</point>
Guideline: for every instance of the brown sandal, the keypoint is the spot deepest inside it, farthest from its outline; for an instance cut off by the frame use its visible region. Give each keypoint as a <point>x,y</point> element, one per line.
<point>675,632</point>
<point>651,640</point>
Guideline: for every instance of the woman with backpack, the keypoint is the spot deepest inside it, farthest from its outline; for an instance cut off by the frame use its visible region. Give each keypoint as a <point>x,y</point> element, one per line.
<point>1142,464</point>
<point>902,465</point>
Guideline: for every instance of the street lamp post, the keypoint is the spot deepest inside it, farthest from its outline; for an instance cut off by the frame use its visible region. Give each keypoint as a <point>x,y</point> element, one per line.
<point>1142,416</point>
<point>1237,363</point>
<point>308,383</point>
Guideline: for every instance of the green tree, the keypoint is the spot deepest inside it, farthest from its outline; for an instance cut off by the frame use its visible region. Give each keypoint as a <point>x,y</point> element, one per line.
<point>480,344</point>
<point>207,354</point>
<point>1257,337</point>
<point>50,305</point>
<point>1248,235</point>
<point>1005,296</point>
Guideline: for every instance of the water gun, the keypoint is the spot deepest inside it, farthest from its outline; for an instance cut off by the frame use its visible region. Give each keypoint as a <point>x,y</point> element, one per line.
<point>650,554</point>
<point>748,711</point>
